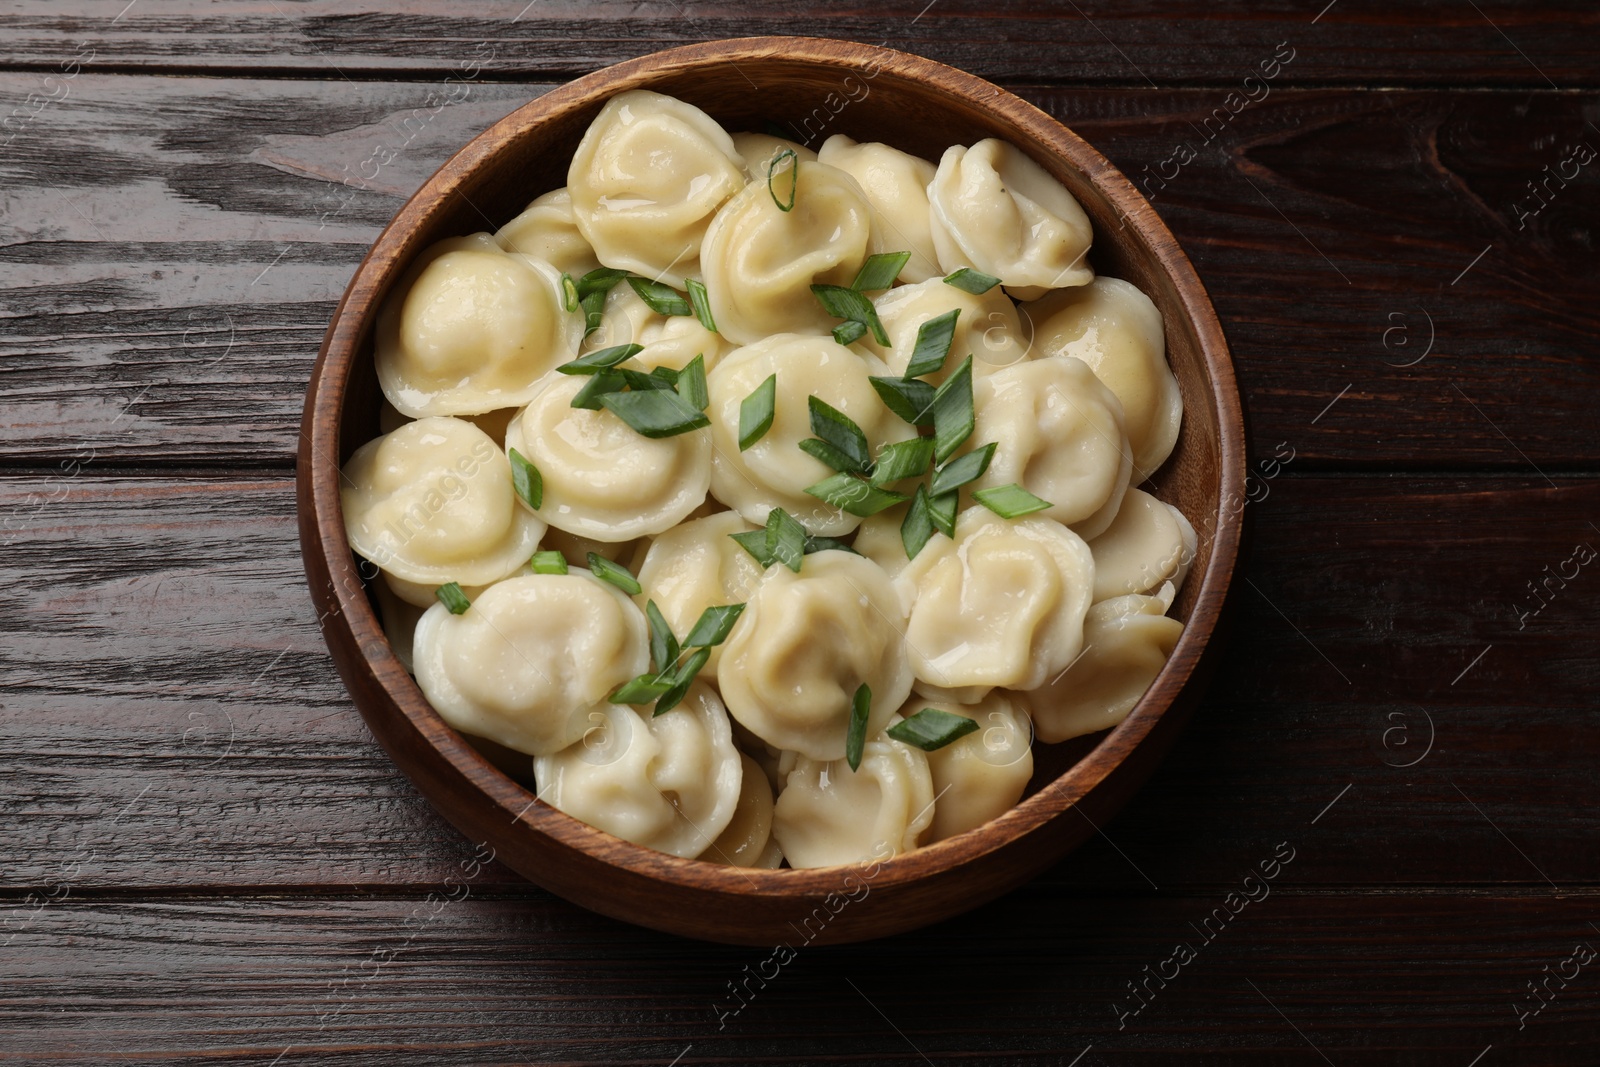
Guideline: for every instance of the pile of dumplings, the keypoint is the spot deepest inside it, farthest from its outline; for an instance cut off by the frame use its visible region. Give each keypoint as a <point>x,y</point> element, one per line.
<point>666,625</point>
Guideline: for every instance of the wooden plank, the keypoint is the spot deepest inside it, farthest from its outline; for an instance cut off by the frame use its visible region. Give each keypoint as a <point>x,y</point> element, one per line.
<point>172,721</point>
<point>1036,979</point>
<point>171,250</point>
<point>1145,42</point>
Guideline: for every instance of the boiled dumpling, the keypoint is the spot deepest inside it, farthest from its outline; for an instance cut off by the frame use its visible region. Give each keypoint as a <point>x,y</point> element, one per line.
<point>1002,605</point>
<point>471,328</point>
<point>1061,438</point>
<point>896,186</point>
<point>774,472</point>
<point>761,261</point>
<point>1149,542</point>
<point>547,231</point>
<point>748,840</point>
<point>674,342</point>
<point>987,328</point>
<point>624,320</point>
<point>528,662</point>
<point>805,643</point>
<point>669,782</point>
<point>758,150</point>
<point>1126,642</point>
<point>602,478</point>
<point>996,210</point>
<point>645,181</point>
<point>432,502</point>
<point>980,776</point>
<point>829,814</point>
<point>1116,330</point>
<point>695,566</point>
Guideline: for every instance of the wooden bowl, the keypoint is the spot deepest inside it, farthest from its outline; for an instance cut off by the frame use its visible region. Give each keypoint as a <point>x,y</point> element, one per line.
<point>819,87</point>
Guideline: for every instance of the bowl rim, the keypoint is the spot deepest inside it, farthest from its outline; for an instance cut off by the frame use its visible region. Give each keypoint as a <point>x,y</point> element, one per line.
<point>341,598</point>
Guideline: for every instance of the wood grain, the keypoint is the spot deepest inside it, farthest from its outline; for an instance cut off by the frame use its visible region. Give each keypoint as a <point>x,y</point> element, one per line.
<point>176,617</point>
<point>1359,42</point>
<point>171,250</point>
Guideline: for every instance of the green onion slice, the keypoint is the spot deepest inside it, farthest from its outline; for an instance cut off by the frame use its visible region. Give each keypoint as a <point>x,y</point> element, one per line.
<point>548,562</point>
<point>849,331</point>
<point>827,454</point>
<point>933,344</point>
<point>569,293</point>
<point>700,300</point>
<point>607,381</point>
<point>827,544</point>
<point>786,539</point>
<point>958,472</point>
<point>615,573</point>
<point>640,690</point>
<point>909,398</point>
<point>931,729</point>
<point>756,411</point>
<point>682,678</point>
<point>655,413</point>
<point>600,280</point>
<point>916,529</point>
<point>691,383</point>
<point>843,302</point>
<point>777,161</point>
<point>880,271</point>
<point>593,305</point>
<point>663,645</point>
<point>525,479</point>
<point>713,626</point>
<point>903,459</point>
<point>972,281</point>
<point>662,299</point>
<point>849,493</point>
<point>600,359</point>
<point>953,417</point>
<point>856,739</point>
<point>840,431</point>
<point>451,596</point>
<point>1010,501</point>
<point>942,512</point>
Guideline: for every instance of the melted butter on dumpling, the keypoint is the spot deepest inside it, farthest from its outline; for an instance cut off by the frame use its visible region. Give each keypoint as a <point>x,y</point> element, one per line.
<point>805,643</point>
<point>1061,437</point>
<point>646,180</point>
<point>1002,605</point>
<point>987,328</point>
<point>896,186</point>
<point>547,231</point>
<point>761,261</point>
<point>980,776</point>
<point>471,328</point>
<point>432,502</point>
<point>773,472</point>
<point>602,478</point>
<point>1117,331</point>
<point>670,782</point>
<point>531,659</point>
<point>996,210</point>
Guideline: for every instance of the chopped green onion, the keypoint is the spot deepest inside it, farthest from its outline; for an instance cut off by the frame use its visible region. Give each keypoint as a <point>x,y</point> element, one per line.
<point>916,529</point>
<point>700,300</point>
<point>942,513</point>
<point>849,493</point>
<point>652,381</point>
<point>786,539</point>
<point>856,739</point>
<point>849,331</point>
<point>656,412</point>
<point>933,344</point>
<point>1010,501</point>
<point>663,299</point>
<point>972,281</point>
<point>548,562</point>
<point>880,271</point>
<point>953,417</point>
<point>909,398</point>
<point>569,293</point>
<point>931,729</point>
<point>958,472</point>
<point>663,645</point>
<point>691,382</point>
<point>640,690</point>
<point>600,360</point>
<point>840,431</point>
<point>607,381</point>
<point>778,160</point>
<point>451,596</point>
<point>525,479</point>
<point>843,302</point>
<point>756,411</point>
<point>615,573</point>
<point>713,626</point>
<point>755,543</point>
<point>600,280</point>
<point>682,678</point>
<point>903,459</point>
<point>666,374</point>
<point>827,454</point>
<point>827,544</point>
<point>594,306</point>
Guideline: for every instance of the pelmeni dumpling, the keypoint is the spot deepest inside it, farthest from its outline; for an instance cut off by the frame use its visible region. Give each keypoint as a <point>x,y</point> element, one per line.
<point>647,177</point>
<point>761,261</point>
<point>432,502</point>
<point>748,840</point>
<point>547,231</point>
<point>758,150</point>
<point>773,472</point>
<point>1002,605</point>
<point>828,814</point>
<point>669,782</point>
<point>996,210</point>
<point>624,320</point>
<point>1149,542</point>
<point>531,658</point>
<point>1126,642</point>
<point>982,775</point>
<point>987,328</point>
<point>1116,330</point>
<point>805,643</point>
<point>602,478</point>
<point>471,328</point>
<point>695,566</point>
<point>1061,438</point>
<point>675,341</point>
<point>896,186</point>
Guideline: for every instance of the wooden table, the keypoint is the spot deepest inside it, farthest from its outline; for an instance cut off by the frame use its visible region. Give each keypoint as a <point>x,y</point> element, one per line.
<point>205,858</point>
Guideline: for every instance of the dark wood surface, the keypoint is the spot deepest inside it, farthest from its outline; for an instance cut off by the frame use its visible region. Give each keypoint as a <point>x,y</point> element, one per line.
<point>207,859</point>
